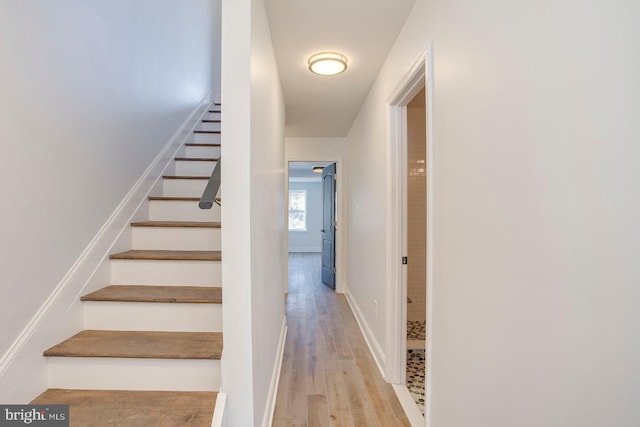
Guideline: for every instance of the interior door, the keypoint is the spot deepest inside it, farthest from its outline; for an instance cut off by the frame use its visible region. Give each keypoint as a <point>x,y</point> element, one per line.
<point>329,226</point>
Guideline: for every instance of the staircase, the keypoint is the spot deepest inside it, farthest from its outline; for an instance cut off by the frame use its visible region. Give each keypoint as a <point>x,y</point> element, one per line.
<point>150,351</point>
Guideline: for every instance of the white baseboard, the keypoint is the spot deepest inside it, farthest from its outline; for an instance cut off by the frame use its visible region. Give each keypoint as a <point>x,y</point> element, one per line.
<point>23,369</point>
<point>305,249</point>
<point>416,419</point>
<point>218,411</point>
<point>267,420</point>
<point>372,343</point>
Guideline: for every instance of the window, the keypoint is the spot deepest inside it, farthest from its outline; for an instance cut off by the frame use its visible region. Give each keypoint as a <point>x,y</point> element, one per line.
<point>298,210</point>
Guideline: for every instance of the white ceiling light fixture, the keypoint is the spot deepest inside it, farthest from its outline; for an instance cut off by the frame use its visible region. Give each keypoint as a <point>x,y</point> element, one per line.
<point>327,63</point>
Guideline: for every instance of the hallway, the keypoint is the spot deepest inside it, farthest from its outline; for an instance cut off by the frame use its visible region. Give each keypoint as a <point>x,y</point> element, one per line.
<point>328,376</point>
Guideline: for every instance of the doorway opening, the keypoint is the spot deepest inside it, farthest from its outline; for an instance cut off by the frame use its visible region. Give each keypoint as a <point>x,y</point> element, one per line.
<point>415,208</point>
<point>312,214</point>
<point>409,233</point>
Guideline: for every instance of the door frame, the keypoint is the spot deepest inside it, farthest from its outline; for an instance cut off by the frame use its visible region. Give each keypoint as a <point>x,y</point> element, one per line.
<point>341,235</point>
<point>417,76</point>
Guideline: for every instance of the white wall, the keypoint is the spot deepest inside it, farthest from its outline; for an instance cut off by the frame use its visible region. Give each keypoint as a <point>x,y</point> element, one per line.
<point>216,51</point>
<point>535,291</point>
<point>91,92</point>
<point>310,239</point>
<point>315,149</point>
<point>254,232</point>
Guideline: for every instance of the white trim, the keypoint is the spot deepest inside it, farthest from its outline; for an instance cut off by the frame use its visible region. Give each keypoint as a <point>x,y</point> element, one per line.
<point>415,417</point>
<point>412,81</point>
<point>62,308</point>
<point>304,248</point>
<point>396,348</point>
<point>396,247</point>
<point>305,179</point>
<point>218,410</point>
<point>370,339</point>
<point>430,233</point>
<point>418,75</point>
<point>267,421</point>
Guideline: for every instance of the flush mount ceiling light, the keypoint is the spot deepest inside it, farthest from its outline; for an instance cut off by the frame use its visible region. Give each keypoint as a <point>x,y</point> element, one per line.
<point>327,63</point>
<point>318,169</point>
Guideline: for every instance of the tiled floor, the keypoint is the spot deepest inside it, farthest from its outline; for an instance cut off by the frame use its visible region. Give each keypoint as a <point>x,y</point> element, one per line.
<point>416,330</point>
<point>415,376</point>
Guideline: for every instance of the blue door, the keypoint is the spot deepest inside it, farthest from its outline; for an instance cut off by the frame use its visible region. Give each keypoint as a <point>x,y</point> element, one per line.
<point>329,226</point>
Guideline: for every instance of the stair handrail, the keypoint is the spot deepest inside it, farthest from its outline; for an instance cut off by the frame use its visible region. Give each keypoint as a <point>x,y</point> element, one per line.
<point>211,190</point>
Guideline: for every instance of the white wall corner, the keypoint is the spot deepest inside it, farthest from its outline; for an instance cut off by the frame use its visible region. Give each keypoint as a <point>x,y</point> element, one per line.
<point>372,343</point>
<point>267,421</point>
<point>23,369</point>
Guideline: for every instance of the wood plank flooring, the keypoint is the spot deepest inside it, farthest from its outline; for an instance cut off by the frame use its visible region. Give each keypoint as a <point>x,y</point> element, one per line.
<point>140,344</point>
<point>177,224</point>
<point>328,376</point>
<point>99,408</point>
<point>160,294</point>
<point>164,255</point>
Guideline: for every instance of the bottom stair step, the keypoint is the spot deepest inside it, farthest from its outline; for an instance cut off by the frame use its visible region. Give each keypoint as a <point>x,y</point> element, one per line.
<point>137,360</point>
<point>124,408</point>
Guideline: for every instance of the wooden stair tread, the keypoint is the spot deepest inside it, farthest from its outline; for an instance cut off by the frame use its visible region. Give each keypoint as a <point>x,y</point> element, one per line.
<point>176,199</point>
<point>210,121</point>
<point>184,177</point>
<point>125,408</point>
<point>207,131</point>
<point>215,111</point>
<point>178,224</point>
<point>159,294</point>
<point>164,255</point>
<point>196,159</point>
<point>201,144</point>
<point>140,345</point>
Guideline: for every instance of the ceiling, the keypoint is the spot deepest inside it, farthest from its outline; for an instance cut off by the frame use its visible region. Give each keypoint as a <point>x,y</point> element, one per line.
<point>305,170</point>
<point>362,30</point>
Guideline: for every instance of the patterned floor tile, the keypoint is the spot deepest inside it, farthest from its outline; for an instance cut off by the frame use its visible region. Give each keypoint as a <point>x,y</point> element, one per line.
<point>415,376</point>
<point>416,329</point>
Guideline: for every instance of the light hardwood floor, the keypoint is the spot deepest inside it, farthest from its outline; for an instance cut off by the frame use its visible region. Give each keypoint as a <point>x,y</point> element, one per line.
<point>328,376</point>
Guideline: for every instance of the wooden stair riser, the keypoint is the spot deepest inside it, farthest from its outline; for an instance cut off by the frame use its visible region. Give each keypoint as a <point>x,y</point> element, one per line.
<point>207,137</point>
<point>183,187</point>
<point>173,210</point>
<point>194,168</point>
<point>153,272</point>
<point>210,126</point>
<point>111,373</point>
<point>145,316</point>
<point>176,238</point>
<point>200,151</point>
<point>213,116</point>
